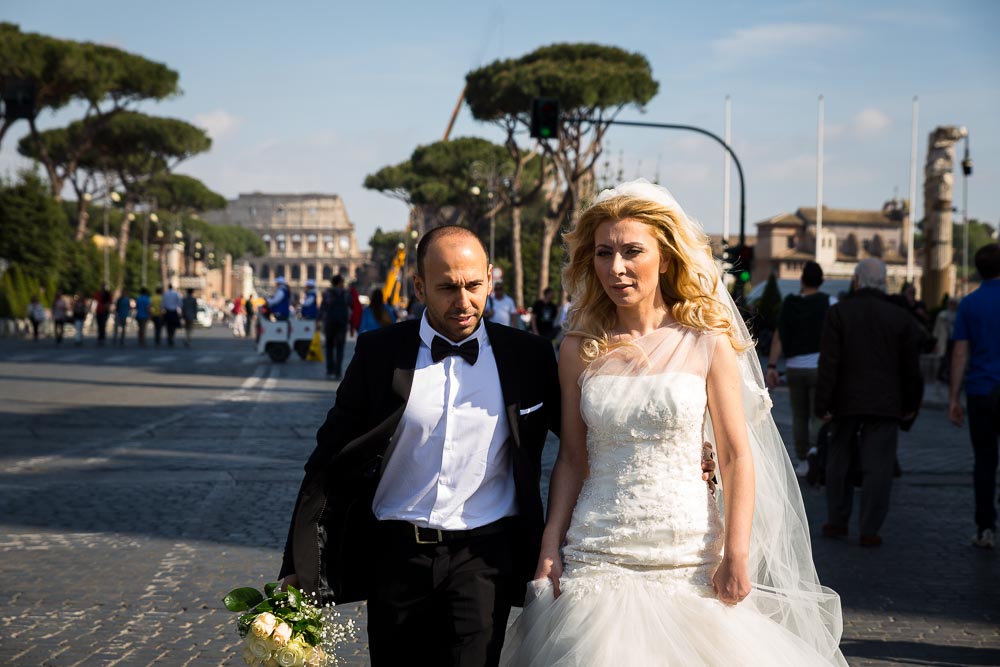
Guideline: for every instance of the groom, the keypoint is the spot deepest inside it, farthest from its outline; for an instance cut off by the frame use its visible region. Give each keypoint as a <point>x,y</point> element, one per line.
<point>422,495</point>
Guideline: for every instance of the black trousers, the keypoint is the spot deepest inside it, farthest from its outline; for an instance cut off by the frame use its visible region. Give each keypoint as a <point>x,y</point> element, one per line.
<point>440,604</point>
<point>985,437</point>
<point>877,439</point>
<point>335,338</point>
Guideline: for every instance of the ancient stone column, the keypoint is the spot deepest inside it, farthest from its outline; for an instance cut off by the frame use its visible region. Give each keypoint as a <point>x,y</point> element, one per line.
<point>939,271</point>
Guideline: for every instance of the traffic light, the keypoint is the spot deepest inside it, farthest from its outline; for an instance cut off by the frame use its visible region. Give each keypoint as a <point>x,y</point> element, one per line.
<point>545,118</point>
<point>744,262</point>
<point>19,99</point>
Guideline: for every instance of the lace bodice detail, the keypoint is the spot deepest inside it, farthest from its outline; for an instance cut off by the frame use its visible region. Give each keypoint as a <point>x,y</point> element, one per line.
<point>644,505</point>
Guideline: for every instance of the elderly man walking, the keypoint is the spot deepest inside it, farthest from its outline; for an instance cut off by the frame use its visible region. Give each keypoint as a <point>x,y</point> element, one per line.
<point>868,382</point>
<point>978,343</point>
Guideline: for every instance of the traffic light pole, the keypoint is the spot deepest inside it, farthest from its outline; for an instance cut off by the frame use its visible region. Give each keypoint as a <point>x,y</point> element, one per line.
<point>692,128</point>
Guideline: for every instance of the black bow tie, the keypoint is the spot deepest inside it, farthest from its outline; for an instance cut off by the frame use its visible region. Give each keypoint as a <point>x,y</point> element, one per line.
<point>440,348</point>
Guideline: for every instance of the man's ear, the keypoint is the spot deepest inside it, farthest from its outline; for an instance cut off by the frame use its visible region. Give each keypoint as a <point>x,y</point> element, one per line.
<point>489,279</point>
<point>418,287</point>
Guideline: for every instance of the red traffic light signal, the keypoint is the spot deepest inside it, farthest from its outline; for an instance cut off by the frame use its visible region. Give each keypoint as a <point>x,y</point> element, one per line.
<point>545,118</point>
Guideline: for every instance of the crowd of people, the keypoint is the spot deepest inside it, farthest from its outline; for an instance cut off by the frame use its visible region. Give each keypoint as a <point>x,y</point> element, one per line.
<point>167,312</point>
<point>854,377</point>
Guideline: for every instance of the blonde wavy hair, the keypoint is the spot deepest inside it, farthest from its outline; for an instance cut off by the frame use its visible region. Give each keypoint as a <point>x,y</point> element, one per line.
<point>688,286</point>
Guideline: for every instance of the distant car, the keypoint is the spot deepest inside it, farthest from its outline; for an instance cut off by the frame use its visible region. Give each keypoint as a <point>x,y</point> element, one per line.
<point>836,287</point>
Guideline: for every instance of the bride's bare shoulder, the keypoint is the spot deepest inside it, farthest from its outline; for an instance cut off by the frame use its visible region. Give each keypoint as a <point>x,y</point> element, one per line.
<point>571,363</point>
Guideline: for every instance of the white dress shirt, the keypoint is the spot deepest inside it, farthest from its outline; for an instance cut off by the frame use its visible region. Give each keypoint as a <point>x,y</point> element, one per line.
<point>450,467</point>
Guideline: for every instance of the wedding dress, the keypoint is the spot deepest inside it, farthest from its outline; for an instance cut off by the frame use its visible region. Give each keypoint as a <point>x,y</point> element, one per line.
<point>647,534</point>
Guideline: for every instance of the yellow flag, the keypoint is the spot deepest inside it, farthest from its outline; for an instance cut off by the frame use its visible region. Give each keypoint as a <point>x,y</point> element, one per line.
<point>315,349</point>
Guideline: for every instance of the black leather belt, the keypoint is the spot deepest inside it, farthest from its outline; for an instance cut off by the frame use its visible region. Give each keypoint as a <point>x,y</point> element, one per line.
<point>421,535</point>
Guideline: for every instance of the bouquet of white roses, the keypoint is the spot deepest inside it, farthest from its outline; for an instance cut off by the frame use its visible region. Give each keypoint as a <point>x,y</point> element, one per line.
<point>285,629</point>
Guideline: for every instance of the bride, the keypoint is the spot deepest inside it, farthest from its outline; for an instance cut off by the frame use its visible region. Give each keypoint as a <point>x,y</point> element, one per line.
<point>641,563</point>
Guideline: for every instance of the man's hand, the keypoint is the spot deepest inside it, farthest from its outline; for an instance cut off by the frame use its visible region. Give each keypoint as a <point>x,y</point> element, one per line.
<point>708,466</point>
<point>956,413</point>
<point>772,379</point>
<point>290,580</point>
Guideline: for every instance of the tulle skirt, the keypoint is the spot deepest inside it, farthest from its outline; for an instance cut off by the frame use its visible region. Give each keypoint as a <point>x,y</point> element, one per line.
<point>634,620</point>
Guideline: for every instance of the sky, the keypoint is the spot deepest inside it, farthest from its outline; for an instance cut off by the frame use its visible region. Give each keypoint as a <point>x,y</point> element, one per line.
<point>313,96</point>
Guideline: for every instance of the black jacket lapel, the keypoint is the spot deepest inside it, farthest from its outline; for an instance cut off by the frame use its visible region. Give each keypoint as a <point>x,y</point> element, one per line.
<point>507,370</point>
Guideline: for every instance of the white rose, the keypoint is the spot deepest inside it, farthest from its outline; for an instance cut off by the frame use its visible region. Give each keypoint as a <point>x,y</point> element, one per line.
<point>291,655</point>
<point>282,634</point>
<point>261,648</point>
<point>263,625</point>
<point>316,657</point>
<point>248,656</point>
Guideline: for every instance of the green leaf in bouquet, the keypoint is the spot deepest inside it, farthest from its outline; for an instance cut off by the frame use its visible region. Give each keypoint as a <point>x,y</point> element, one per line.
<point>241,599</point>
<point>294,597</point>
<point>270,588</point>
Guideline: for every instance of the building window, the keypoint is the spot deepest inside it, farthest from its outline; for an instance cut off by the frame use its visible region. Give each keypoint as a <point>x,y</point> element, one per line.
<point>327,272</point>
<point>265,272</point>
<point>296,272</point>
<point>311,272</point>
<point>790,241</point>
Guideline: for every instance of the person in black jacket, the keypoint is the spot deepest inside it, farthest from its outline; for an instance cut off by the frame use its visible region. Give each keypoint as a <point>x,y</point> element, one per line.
<point>869,382</point>
<point>800,324</point>
<point>422,495</point>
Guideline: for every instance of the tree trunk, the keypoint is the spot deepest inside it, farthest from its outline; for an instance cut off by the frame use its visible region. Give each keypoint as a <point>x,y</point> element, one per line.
<point>82,216</point>
<point>123,244</point>
<point>551,228</point>
<point>517,259</point>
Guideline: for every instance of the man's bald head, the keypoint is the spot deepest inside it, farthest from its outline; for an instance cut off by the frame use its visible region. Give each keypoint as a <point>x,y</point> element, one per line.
<point>444,234</point>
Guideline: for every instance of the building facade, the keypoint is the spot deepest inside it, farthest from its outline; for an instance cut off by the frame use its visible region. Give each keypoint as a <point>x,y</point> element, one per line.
<point>308,236</point>
<point>787,241</point>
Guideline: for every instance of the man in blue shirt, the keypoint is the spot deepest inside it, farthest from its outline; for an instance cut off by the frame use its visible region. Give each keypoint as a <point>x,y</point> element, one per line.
<point>310,307</point>
<point>281,302</point>
<point>977,341</point>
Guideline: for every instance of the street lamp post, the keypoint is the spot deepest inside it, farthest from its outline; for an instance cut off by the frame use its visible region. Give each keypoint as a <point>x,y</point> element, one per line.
<point>115,198</point>
<point>493,174</point>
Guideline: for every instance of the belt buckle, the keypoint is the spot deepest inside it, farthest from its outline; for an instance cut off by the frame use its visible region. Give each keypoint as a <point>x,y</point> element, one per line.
<point>416,535</point>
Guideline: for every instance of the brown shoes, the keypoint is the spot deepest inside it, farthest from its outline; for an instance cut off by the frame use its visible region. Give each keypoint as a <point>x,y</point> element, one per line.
<point>831,530</point>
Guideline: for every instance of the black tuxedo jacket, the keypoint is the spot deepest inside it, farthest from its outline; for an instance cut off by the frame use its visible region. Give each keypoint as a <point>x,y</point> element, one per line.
<point>330,539</point>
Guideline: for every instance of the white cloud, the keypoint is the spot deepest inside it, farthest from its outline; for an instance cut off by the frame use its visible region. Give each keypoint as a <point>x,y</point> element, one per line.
<point>869,122</point>
<point>218,123</point>
<point>769,40</point>
<point>800,168</point>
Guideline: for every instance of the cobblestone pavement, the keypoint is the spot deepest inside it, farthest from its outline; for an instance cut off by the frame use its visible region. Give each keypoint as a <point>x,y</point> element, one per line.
<point>138,486</point>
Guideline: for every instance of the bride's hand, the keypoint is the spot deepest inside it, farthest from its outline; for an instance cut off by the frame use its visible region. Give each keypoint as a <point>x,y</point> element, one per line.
<point>732,580</point>
<point>550,567</point>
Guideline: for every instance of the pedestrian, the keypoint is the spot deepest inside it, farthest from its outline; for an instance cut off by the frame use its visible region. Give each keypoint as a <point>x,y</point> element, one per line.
<point>102,310</point>
<point>143,303</point>
<point>239,319</point>
<point>543,315</point>
<point>156,313</point>
<point>171,313</point>
<point>501,308</point>
<point>310,302</point>
<point>977,343</point>
<point>123,308</point>
<point>356,308</point>
<point>375,314</point>
<point>335,313</point>
<point>79,317</point>
<point>36,315</point>
<point>800,323</point>
<point>944,343</point>
<point>868,383</point>
<point>248,308</point>
<point>189,311</point>
<point>414,309</point>
<point>61,314</point>
<point>426,471</point>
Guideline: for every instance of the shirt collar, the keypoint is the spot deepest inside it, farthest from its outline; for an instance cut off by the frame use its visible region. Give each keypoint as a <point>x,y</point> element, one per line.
<point>427,333</point>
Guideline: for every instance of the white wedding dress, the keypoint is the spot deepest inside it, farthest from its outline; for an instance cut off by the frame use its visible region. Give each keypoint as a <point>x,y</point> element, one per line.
<point>647,533</point>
